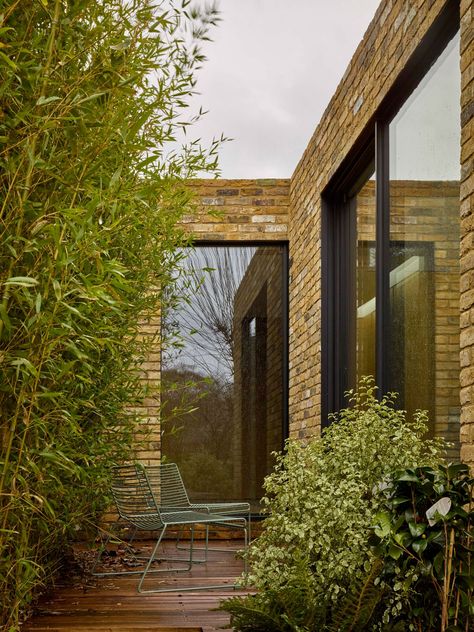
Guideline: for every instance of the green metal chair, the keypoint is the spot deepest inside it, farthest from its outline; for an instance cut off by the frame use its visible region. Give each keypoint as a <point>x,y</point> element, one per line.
<point>136,505</point>
<point>170,493</point>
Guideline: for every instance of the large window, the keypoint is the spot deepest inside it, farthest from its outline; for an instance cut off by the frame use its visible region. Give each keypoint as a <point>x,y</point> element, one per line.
<point>225,376</point>
<point>392,247</point>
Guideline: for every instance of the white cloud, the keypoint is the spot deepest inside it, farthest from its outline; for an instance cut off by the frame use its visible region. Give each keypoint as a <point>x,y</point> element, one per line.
<point>271,71</point>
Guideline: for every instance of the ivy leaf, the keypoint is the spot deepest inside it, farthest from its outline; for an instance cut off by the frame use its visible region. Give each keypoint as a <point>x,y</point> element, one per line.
<point>394,551</point>
<point>399,501</point>
<point>409,477</point>
<point>466,579</point>
<point>382,529</point>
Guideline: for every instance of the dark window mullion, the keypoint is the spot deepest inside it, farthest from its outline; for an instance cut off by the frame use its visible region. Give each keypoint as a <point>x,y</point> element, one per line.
<point>382,300</point>
<point>285,341</point>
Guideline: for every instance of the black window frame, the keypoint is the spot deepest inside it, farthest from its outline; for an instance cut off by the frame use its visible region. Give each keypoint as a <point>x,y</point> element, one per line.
<point>338,231</point>
<point>284,245</point>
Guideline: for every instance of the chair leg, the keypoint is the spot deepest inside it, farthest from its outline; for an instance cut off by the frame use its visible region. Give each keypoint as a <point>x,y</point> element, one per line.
<point>102,548</point>
<point>164,570</point>
<point>152,557</point>
<point>208,548</point>
<point>190,563</point>
<point>150,560</point>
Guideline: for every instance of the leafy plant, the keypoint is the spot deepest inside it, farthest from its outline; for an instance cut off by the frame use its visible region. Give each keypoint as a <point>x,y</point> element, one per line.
<point>92,95</point>
<point>323,496</point>
<point>296,607</point>
<point>356,611</point>
<point>425,536</point>
<point>291,607</point>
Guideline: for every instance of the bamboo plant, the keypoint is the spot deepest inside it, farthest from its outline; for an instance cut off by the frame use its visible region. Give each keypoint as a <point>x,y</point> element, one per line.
<point>92,95</point>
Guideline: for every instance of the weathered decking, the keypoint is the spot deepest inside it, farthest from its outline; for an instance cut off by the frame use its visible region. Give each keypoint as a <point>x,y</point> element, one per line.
<point>110,604</point>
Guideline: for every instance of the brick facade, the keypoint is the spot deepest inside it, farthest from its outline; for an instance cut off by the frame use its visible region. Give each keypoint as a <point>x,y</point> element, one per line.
<point>225,210</point>
<point>240,210</point>
<point>467,231</point>
<point>396,30</point>
<point>261,210</point>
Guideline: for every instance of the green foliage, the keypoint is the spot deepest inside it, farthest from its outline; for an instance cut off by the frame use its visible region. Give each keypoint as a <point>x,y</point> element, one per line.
<point>291,607</point>
<point>356,610</point>
<point>91,97</point>
<point>323,496</point>
<point>425,536</point>
<point>295,606</point>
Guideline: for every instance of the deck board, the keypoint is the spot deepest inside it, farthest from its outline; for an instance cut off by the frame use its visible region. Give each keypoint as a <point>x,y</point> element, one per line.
<point>113,604</point>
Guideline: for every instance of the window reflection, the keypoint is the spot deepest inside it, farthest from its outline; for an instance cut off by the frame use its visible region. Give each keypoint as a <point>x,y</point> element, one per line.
<point>424,236</point>
<point>223,379</point>
<point>365,281</point>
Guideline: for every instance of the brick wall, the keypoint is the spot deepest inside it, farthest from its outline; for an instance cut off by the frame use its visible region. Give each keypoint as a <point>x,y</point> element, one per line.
<point>225,210</point>
<point>260,210</point>
<point>240,210</point>
<point>396,30</point>
<point>467,231</point>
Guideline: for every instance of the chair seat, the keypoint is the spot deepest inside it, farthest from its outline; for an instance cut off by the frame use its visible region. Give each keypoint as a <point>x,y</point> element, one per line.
<point>226,507</point>
<point>193,517</point>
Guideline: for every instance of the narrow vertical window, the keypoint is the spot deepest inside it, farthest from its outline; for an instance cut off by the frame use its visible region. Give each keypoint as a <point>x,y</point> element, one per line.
<point>365,280</point>
<point>424,141</point>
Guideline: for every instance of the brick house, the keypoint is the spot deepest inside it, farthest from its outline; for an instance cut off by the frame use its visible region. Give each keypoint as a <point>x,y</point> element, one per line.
<point>377,230</point>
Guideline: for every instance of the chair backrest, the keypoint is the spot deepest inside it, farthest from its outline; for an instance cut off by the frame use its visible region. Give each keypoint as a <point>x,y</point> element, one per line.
<point>167,485</point>
<point>132,493</point>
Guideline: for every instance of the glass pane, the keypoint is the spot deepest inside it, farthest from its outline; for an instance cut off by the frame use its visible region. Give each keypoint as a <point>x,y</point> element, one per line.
<point>365,280</point>
<point>223,406</point>
<point>424,247</point>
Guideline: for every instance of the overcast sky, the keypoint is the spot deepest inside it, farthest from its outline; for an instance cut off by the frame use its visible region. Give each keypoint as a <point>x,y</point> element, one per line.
<point>272,68</point>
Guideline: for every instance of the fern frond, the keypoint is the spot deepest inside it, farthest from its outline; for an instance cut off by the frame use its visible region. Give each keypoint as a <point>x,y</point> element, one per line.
<point>357,608</point>
<point>253,613</point>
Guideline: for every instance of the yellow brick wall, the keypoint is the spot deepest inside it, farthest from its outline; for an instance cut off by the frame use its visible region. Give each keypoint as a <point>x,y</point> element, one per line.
<point>275,210</point>
<point>240,210</point>
<point>225,210</point>
<point>467,231</point>
<point>396,30</point>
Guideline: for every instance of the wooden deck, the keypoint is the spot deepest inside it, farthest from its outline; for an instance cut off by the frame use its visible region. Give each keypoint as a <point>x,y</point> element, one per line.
<point>113,604</point>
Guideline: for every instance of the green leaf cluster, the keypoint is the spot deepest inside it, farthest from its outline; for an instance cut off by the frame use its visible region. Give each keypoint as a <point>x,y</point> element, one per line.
<point>425,536</point>
<point>92,97</point>
<point>324,494</point>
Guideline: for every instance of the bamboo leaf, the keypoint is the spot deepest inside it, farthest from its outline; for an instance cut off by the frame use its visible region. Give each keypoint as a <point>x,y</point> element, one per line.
<point>45,100</point>
<point>22,281</point>
<point>4,317</point>
<point>8,61</point>
<point>24,362</point>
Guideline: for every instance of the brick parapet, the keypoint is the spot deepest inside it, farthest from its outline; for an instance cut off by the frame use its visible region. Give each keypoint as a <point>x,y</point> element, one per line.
<point>239,210</point>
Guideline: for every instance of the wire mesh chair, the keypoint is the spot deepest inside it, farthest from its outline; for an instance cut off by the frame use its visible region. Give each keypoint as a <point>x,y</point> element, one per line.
<point>170,493</point>
<point>136,506</point>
